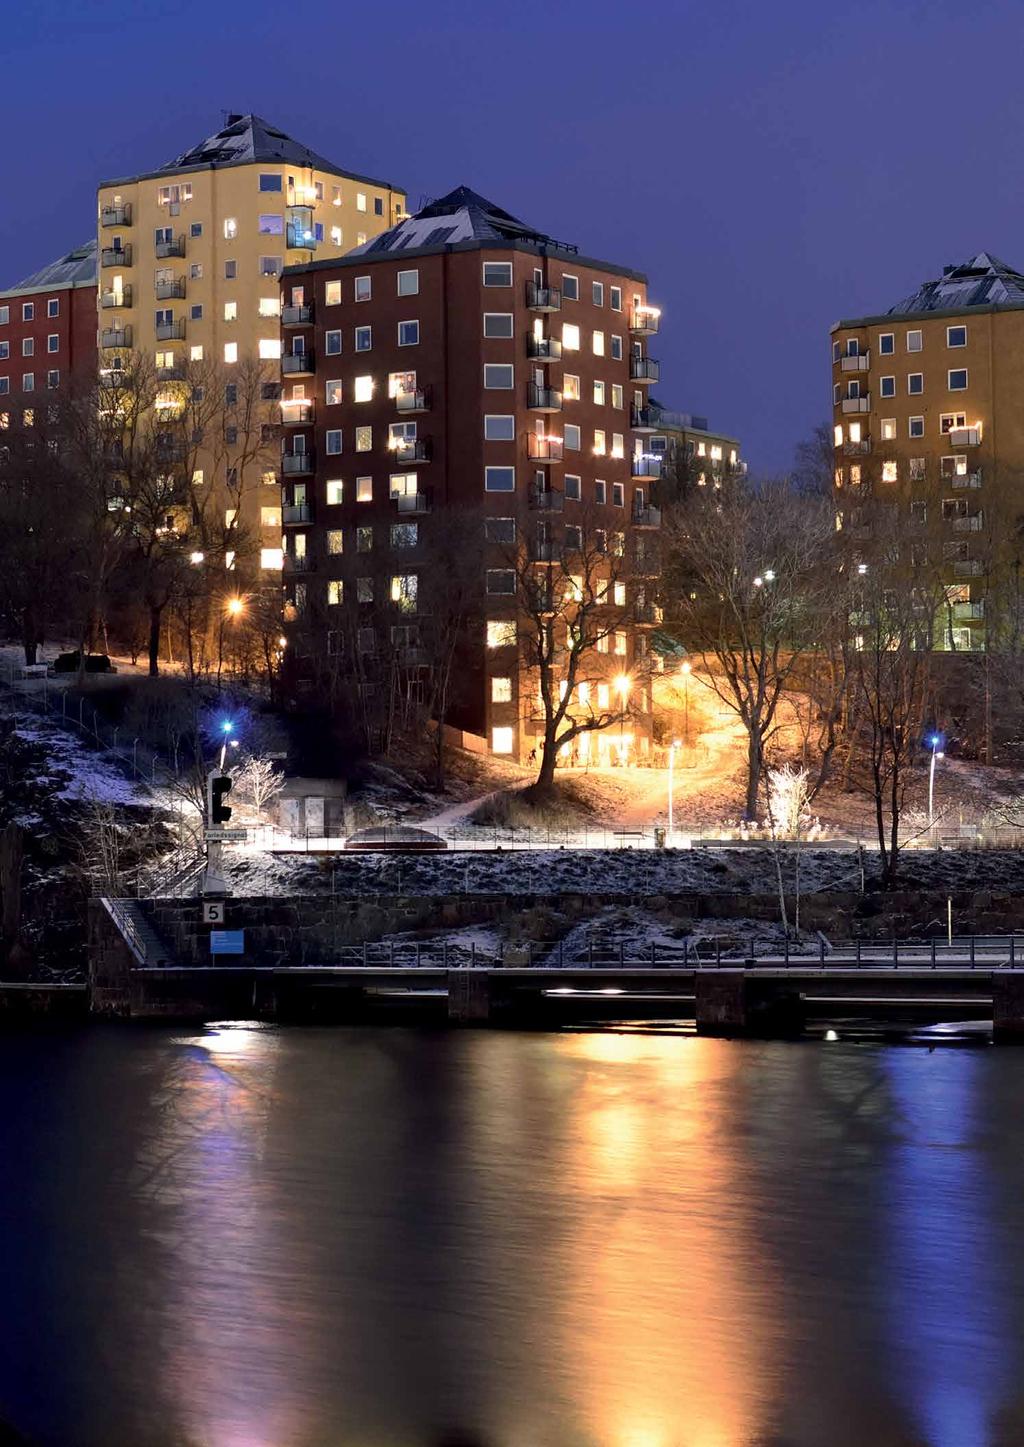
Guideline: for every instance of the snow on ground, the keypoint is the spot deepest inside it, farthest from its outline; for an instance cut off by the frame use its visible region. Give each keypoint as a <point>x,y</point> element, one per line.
<point>93,777</point>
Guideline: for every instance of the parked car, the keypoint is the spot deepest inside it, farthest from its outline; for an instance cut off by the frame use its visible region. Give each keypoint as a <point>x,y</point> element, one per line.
<point>70,662</point>
<point>396,839</point>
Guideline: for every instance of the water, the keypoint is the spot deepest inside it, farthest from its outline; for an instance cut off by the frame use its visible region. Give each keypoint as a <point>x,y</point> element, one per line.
<point>259,1237</point>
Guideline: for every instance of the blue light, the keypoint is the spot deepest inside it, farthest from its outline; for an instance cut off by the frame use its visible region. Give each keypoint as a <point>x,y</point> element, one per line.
<point>936,741</point>
<point>226,726</point>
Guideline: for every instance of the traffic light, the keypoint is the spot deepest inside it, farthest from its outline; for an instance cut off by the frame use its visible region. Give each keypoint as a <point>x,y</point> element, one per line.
<point>218,786</point>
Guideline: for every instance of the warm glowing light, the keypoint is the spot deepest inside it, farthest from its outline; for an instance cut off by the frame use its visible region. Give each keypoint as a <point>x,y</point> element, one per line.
<point>196,558</point>
<point>623,684</point>
<point>685,668</point>
<point>234,606</point>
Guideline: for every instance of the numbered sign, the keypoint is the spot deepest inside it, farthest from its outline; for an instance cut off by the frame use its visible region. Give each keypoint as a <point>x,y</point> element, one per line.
<point>213,911</point>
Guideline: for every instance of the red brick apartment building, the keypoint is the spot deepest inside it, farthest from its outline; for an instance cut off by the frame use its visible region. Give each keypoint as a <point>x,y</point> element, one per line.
<point>463,360</point>
<point>48,328</point>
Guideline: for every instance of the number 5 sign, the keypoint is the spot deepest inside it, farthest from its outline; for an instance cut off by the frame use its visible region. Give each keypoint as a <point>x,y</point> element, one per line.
<point>213,911</point>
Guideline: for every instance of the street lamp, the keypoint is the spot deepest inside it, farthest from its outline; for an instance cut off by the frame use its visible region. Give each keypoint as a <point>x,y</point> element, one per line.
<point>685,670</point>
<point>234,607</point>
<point>623,684</point>
<point>671,761</point>
<point>935,741</point>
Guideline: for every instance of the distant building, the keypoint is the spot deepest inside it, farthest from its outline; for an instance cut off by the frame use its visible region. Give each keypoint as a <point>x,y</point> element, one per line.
<point>674,437</point>
<point>464,360</point>
<point>48,328</point>
<point>928,416</point>
<point>190,256</point>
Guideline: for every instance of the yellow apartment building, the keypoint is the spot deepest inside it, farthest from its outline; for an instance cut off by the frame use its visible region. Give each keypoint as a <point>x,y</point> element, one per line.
<point>189,260</point>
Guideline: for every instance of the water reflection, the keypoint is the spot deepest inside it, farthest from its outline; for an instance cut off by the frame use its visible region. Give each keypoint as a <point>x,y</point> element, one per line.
<point>239,1237</point>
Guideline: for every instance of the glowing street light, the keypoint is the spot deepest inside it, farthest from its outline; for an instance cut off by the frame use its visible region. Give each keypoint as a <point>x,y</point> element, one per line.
<point>935,742</point>
<point>685,670</point>
<point>671,762</point>
<point>234,607</point>
<point>622,685</point>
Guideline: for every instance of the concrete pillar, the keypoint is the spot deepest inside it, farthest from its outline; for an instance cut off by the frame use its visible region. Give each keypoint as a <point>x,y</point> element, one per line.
<point>731,1002</point>
<point>469,997</point>
<point>1008,1007</point>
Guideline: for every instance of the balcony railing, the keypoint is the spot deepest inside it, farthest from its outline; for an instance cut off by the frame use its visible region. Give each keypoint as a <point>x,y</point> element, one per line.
<point>645,467</point>
<point>297,316</point>
<point>116,256</point>
<point>297,364</point>
<point>857,449</point>
<point>644,321</point>
<point>543,349</point>
<point>297,464</point>
<point>412,504</point>
<point>300,237</point>
<point>543,449</point>
<point>412,453</point>
<point>546,500</point>
<point>174,247</point>
<point>967,567</point>
<point>174,373</point>
<point>111,299</point>
<point>543,298</point>
<point>296,512</point>
<point>416,401</point>
<point>294,563</point>
<point>972,523</point>
<point>296,411</point>
<point>962,480</point>
<point>170,290</point>
<point>859,363</point>
<point>646,517</point>
<point>116,215</point>
<point>116,337</point>
<point>964,437</point>
<point>962,611</point>
<point>643,419</point>
<point>856,404</point>
<point>543,399</point>
<point>170,331</point>
<point>643,369</point>
<point>647,615</point>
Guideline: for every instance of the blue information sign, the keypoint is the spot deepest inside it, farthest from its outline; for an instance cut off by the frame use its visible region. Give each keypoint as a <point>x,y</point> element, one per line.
<point>227,942</point>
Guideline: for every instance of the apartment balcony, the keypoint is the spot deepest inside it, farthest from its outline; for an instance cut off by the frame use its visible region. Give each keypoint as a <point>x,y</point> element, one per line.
<point>543,449</point>
<point>170,331</point>
<point>413,504</point>
<point>417,401</point>
<point>116,337</point>
<point>645,467</point>
<point>292,563</point>
<point>646,517</point>
<point>644,321</point>
<point>296,411</point>
<point>116,256</point>
<point>171,290</point>
<point>545,499</point>
<point>112,376</point>
<point>643,419</point>
<point>972,523</point>
<point>411,454</point>
<point>857,449</point>
<point>297,364</point>
<point>647,615</point>
<point>961,480</point>
<point>174,373</point>
<point>542,550</point>
<point>543,399</point>
<point>111,299</point>
<point>297,316</point>
<point>174,247</point>
<point>543,349</point>
<point>964,437</point>
<point>297,464</point>
<point>643,369</point>
<point>116,215</point>
<point>860,363</point>
<point>300,236</point>
<point>856,404</point>
<point>543,298</point>
<point>967,612</point>
<point>296,512</point>
<point>967,568</point>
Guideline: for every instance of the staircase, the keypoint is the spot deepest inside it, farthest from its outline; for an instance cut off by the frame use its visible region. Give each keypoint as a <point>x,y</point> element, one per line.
<point>138,934</point>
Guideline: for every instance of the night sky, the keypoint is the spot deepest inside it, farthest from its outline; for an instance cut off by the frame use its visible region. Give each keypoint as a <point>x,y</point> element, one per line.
<point>771,167</point>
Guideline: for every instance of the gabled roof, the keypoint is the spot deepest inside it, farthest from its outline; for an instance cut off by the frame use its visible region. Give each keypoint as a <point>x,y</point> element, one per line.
<point>983,280</point>
<point>77,268</point>
<point>245,139</point>
<point>462,215</point>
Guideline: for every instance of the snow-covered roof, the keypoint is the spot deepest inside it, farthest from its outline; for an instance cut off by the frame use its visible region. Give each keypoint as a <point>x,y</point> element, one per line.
<point>983,280</point>
<point>462,215</point>
<point>75,268</point>
<point>245,139</point>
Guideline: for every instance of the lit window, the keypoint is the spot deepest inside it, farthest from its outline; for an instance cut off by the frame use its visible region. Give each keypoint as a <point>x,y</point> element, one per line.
<point>408,283</point>
<point>888,429</point>
<point>364,439</point>
<point>360,238</point>
<point>497,324</point>
<point>360,200</point>
<point>270,349</point>
<point>497,273</point>
<point>335,235</point>
<point>364,489</point>
<point>570,337</point>
<point>501,690</point>
<point>231,351</point>
<point>889,472</point>
<point>269,306</point>
<point>195,354</point>
<point>498,377</point>
<point>617,394</point>
<point>332,393</point>
<point>502,740</point>
<point>231,311</point>
<point>499,479</point>
<point>408,334</point>
<point>618,445</point>
<point>362,389</point>
<point>914,341</point>
<point>599,344</point>
<point>404,587</point>
<point>599,443</point>
<point>332,293</point>
<point>501,633</point>
<point>620,643</point>
<point>335,492</point>
<point>271,224</point>
<point>855,431</point>
<point>570,387</point>
<point>599,394</point>
<point>272,559</point>
<point>270,517</point>
<point>230,228</point>
<point>335,541</point>
<point>334,592</point>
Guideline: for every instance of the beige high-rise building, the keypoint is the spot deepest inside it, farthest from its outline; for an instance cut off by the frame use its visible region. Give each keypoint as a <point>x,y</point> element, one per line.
<point>190,256</point>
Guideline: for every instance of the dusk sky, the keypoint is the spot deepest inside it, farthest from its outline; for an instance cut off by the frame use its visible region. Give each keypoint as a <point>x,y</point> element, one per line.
<point>771,168</point>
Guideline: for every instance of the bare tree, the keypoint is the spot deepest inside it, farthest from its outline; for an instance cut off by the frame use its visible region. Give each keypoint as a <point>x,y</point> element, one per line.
<point>746,570</point>
<point>814,463</point>
<point>258,780</point>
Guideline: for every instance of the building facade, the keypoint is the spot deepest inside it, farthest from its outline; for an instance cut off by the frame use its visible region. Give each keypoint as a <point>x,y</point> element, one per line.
<point>48,329</point>
<point>928,419</point>
<point>683,437</point>
<point>190,255</point>
<point>465,364</point>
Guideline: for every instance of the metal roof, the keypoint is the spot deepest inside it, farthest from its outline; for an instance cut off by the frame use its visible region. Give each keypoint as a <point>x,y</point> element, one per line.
<point>983,280</point>
<point>462,215</point>
<point>76,268</point>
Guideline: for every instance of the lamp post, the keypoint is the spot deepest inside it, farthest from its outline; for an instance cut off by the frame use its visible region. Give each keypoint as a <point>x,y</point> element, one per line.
<point>685,670</point>
<point>935,741</point>
<point>671,761</point>
<point>623,684</point>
